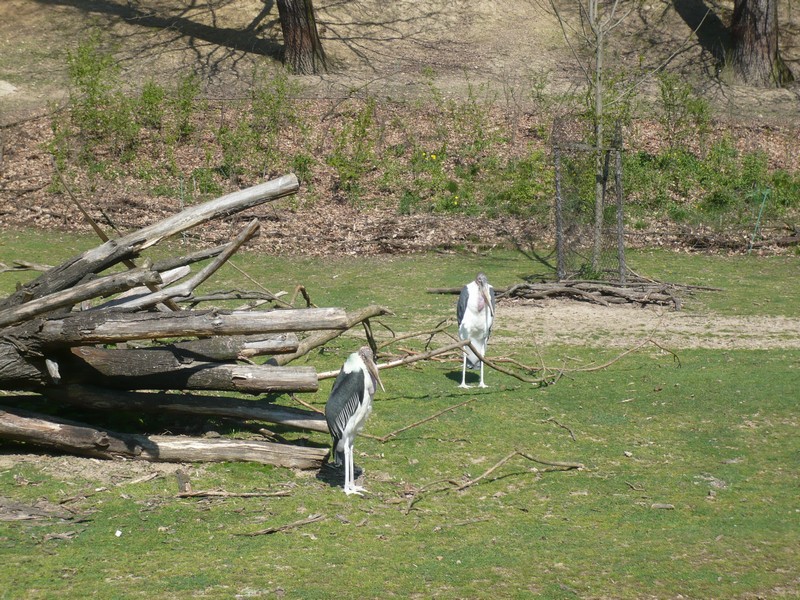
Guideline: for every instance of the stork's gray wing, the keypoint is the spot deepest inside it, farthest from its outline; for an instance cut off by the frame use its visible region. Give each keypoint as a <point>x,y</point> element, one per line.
<point>345,397</point>
<point>461,307</point>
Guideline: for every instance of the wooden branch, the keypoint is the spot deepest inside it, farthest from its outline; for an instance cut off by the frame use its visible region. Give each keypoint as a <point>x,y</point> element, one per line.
<point>102,286</point>
<point>84,440</point>
<point>106,327</point>
<point>406,360</point>
<point>23,265</point>
<point>98,259</point>
<point>320,339</point>
<point>388,436</point>
<point>490,470</point>
<point>223,494</point>
<point>238,346</point>
<point>446,485</point>
<point>88,396</point>
<point>185,288</point>
<point>167,277</point>
<point>173,263</point>
<point>163,369</point>
<point>153,287</point>
<point>287,527</point>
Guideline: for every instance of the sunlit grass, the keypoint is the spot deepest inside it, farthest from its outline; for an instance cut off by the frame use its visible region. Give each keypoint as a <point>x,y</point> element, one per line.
<point>689,487</point>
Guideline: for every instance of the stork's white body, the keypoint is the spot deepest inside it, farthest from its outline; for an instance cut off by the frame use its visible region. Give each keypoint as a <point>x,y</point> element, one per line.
<point>475,324</point>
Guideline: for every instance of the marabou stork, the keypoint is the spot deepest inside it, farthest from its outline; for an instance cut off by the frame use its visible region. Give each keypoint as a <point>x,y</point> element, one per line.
<point>475,312</point>
<point>348,407</point>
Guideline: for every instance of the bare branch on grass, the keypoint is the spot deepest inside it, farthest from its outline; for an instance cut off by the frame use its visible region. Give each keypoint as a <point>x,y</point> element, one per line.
<point>287,527</point>
<point>224,494</point>
<point>445,485</point>
<point>552,420</point>
<point>396,432</point>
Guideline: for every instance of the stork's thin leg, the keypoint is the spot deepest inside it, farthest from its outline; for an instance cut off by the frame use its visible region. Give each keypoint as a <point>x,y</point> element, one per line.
<point>349,482</point>
<point>483,353</point>
<point>464,373</point>
<point>346,469</point>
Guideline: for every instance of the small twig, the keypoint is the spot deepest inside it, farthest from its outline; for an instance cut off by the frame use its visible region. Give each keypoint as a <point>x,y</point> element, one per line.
<point>306,404</point>
<point>288,526</point>
<point>552,420</point>
<point>404,361</point>
<point>488,471</point>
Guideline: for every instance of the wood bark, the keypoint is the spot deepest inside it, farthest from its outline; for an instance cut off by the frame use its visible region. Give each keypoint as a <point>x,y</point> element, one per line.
<point>86,291</point>
<point>85,440</point>
<point>755,56</point>
<point>107,327</point>
<point>303,52</point>
<point>166,369</point>
<point>239,346</point>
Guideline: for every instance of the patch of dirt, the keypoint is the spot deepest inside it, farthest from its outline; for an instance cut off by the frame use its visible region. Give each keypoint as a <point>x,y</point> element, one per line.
<point>77,471</point>
<point>553,321</point>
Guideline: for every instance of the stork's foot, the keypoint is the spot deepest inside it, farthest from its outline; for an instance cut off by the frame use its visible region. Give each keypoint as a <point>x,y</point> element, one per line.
<point>483,385</point>
<point>356,489</point>
<point>465,386</point>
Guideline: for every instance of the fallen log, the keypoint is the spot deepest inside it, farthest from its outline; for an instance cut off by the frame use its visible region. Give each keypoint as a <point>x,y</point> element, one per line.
<point>107,327</point>
<point>238,346</point>
<point>163,369</point>
<point>78,438</point>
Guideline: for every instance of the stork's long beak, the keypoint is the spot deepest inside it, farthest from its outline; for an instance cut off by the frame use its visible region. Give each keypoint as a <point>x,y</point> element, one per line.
<point>488,297</point>
<point>373,369</point>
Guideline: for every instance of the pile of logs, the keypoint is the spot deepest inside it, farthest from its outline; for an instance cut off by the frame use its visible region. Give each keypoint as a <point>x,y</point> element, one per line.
<point>81,336</point>
<point>637,292</point>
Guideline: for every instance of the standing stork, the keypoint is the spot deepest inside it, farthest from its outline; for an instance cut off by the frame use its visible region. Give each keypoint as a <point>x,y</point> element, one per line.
<point>475,312</point>
<point>348,407</point>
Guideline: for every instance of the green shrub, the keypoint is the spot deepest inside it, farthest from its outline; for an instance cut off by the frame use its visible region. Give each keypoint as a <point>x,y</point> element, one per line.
<point>100,110</point>
<point>183,105</point>
<point>354,148</point>
<point>151,105</point>
<point>683,115</point>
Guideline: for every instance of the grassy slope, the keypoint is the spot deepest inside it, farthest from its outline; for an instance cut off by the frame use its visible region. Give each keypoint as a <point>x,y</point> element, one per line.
<point>715,438</point>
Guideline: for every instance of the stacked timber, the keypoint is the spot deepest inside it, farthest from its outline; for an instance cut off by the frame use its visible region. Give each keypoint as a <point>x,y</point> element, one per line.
<point>82,336</point>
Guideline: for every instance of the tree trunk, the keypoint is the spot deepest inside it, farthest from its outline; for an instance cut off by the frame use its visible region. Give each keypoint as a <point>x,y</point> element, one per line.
<point>303,53</point>
<point>755,56</point>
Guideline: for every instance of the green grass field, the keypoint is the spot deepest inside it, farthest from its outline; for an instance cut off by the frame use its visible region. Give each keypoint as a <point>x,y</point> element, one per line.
<point>690,486</point>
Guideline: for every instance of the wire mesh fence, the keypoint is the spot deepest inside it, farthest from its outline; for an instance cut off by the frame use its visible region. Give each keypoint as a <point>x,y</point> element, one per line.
<point>589,222</point>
